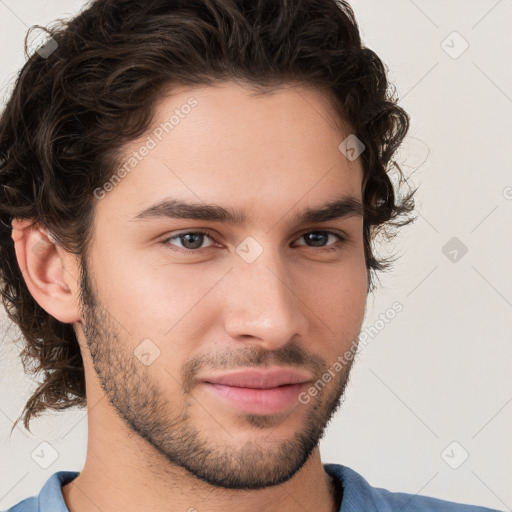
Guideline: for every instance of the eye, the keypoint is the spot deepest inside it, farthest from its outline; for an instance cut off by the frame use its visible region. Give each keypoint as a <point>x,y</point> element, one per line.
<point>317,238</point>
<point>190,240</point>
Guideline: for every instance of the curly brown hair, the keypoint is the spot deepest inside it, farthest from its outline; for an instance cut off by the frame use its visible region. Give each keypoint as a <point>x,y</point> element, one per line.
<point>72,109</point>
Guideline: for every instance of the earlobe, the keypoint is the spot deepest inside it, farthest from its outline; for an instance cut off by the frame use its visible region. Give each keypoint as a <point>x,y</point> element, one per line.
<point>49,271</point>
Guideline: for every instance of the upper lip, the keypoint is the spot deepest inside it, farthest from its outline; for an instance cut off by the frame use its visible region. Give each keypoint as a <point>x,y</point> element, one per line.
<point>260,379</point>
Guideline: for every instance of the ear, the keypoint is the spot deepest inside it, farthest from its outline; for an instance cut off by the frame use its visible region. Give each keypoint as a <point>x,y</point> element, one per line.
<point>51,273</point>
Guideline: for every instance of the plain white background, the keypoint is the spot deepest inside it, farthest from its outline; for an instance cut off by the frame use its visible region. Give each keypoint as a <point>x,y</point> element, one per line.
<point>429,406</point>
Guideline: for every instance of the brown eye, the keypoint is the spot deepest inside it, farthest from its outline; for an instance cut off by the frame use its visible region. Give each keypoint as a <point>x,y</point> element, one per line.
<point>320,238</point>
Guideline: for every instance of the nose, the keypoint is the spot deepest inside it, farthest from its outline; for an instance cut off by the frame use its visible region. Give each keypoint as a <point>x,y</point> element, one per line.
<point>264,304</point>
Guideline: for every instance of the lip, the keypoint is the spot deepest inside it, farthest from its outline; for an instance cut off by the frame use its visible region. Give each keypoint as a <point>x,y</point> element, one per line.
<point>258,401</point>
<point>260,379</point>
<point>257,391</point>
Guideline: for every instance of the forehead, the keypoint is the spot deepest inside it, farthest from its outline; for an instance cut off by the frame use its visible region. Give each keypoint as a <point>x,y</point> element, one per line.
<point>226,145</point>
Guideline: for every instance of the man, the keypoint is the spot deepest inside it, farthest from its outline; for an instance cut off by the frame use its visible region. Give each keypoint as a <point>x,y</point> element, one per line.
<point>189,195</point>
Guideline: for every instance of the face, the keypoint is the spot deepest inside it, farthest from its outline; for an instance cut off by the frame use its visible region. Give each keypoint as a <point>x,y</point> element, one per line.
<point>169,302</point>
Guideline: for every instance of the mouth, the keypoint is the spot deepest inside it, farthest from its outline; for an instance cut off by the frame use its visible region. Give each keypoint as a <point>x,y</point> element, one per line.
<point>258,401</point>
<point>259,392</point>
<point>260,378</point>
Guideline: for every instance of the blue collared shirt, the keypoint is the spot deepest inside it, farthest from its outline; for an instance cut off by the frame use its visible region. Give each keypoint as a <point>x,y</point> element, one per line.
<point>358,496</point>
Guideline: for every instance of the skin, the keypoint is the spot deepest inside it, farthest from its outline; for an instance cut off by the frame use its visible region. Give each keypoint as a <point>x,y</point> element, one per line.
<point>158,440</point>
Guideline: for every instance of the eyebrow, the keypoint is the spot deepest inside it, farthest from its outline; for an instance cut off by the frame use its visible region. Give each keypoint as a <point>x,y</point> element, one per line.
<point>345,206</point>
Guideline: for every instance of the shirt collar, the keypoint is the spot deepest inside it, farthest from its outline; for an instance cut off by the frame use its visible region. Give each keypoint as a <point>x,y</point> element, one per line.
<point>50,498</point>
<point>357,492</point>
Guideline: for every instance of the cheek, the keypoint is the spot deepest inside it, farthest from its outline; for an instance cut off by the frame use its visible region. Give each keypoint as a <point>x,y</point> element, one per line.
<point>338,296</point>
<point>150,298</point>
<point>342,306</point>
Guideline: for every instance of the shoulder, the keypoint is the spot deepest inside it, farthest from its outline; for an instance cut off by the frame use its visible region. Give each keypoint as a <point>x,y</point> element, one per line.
<point>358,495</point>
<point>26,505</point>
<point>49,498</point>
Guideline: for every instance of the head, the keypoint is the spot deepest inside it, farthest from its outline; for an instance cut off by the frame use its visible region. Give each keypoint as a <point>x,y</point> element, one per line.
<point>241,108</point>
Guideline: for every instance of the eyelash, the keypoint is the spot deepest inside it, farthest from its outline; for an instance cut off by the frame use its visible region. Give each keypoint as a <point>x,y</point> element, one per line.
<point>208,234</point>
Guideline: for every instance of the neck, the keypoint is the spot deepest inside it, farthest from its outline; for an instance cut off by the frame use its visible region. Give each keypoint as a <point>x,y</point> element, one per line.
<point>97,488</point>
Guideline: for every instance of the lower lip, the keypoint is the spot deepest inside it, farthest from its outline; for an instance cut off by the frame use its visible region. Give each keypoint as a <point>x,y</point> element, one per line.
<point>258,401</point>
